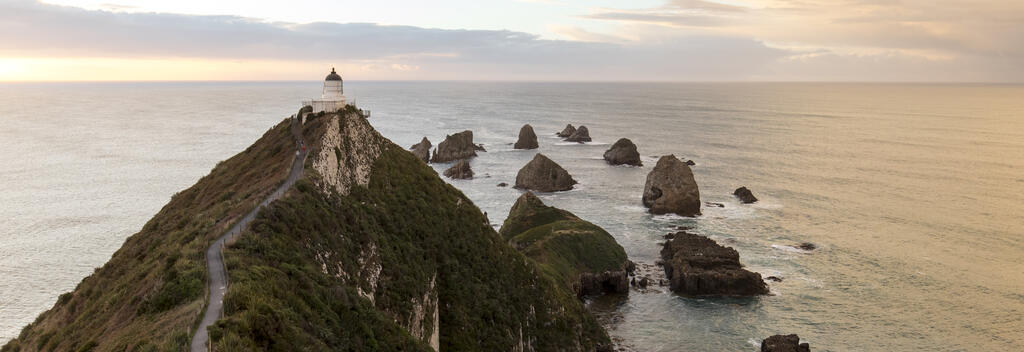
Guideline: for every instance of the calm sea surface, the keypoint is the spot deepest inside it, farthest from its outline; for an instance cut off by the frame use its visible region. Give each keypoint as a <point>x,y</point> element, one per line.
<point>914,194</point>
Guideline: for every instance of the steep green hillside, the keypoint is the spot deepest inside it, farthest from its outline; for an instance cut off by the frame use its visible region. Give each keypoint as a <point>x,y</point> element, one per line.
<point>403,262</point>
<point>575,252</point>
<point>370,250</point>
<point>150,293</point>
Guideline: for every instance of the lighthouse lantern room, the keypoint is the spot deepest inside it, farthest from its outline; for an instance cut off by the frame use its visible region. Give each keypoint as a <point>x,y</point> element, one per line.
<point>332,98</point>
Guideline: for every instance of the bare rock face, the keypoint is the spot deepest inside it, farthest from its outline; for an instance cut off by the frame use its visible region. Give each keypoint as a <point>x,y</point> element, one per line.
<point>567,131</point>
<point>581,135</point>
<point>784,343</point>
<point>422,150</point>
<point>459,171</point>
<point>527,138</point>
<point>670,188</point>
<point>697,266</point>
<point>623,152</point>
<point>544,175</point>
<point>454,147</point>
<point>335,157</point>
<point>744,195</point>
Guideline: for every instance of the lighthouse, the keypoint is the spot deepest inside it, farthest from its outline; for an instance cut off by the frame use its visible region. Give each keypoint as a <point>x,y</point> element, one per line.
<point>332,97</point>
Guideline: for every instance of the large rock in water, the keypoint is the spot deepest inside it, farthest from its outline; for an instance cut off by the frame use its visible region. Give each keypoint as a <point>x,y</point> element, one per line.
<point>527,138</point>
<point>454,147</point>
<point>670,188</point>
<point>581,135</point>
<point>544,175</point>
<point>697,266</point>
<point>744,195</point>
<point>623,152</point>
<point>580,255</point>
<point>422,150</point>
<point>784,343</point>
<point>567,131</point>
<point>459,171</point>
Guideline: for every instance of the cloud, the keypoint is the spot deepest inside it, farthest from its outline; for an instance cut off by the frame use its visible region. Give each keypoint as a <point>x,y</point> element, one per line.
<point>33,29</point>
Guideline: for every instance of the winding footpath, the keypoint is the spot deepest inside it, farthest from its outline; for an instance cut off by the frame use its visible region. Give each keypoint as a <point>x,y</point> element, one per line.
<point>218,279</point>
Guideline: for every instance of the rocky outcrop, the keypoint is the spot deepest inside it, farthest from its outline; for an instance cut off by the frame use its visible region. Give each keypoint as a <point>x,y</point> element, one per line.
<point>582,255</point>
<point>744,195</point>
<point>459,171</point>
<point>567,131</point>
<point>454,147</point>
<point>697,266</point>
<point>544,175</point>
<point>422,150</point>
<point>670,188</point>
<point>581,135</point>
<point>527,138</point>
<point>623,152</point>
<point>344,157</point>
<point>784,343</point>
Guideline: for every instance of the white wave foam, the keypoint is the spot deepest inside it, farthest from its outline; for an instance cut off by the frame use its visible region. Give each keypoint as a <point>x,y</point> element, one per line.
<point>788,248</point>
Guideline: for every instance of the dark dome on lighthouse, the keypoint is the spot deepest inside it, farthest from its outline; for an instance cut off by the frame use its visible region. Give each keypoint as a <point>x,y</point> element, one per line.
<point>333,76</point>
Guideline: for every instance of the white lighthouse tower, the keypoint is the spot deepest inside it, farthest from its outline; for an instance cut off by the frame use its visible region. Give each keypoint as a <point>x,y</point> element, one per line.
<point>332,97</point>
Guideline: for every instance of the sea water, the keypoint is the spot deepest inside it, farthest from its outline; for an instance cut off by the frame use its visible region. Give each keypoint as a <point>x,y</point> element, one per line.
<point>911,193</point>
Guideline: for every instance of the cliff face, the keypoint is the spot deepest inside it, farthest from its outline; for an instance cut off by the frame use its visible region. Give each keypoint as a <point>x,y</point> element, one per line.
<point>395,259</point>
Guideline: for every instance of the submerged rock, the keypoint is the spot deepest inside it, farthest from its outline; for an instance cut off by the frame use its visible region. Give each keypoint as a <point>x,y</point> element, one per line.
<point>503,184</point>
<point>713,204</point>
<point>459,171</point>
<point>454,147</point>
<point>581,135</point>
<point>807,246</point>
<point>696,266</point>
<point>580,254</point>
<point>567,131</point>
<point>744,195</point>
<point>773,278</point>
<point>422,150</point>
<point>623,152</point>
<point>527,138</point>
<point>544,175</point>
<point>690,162</point>
<point>670,188</point>
<point>784,343</point>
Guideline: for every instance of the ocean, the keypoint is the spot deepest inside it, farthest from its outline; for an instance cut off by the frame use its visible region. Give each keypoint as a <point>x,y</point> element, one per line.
<point>912,193</point>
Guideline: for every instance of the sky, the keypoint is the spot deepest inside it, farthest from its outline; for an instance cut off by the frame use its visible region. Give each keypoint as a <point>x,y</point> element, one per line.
<point>536,40</point>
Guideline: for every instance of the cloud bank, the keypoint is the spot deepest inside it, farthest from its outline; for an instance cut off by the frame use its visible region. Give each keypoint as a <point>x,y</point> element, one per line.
<point>722,48</point>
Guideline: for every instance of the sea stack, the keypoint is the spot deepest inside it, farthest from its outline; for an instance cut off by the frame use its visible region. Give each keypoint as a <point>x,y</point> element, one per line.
<point>459,171</point>
<point>567,131</point>
<point>744,195</point>
<point>556,238</point>
<point>422,150</point>
<point>670,188</point>
<point>623,152</point>
<point>454,147</point>
<point>697,266</point>
<point>581,135</point>
<point>527,138</point>
<point>544,175</point>
<point>784,343</point>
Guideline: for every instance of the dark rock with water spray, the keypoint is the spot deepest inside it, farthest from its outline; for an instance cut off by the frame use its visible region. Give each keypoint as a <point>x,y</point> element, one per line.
<point>567,131</point>
<point>581,135</point>
<point>670,188</point>
<point>698,266</point>
<point>454,147</point>
<point>527,138</point>
<point>623,152</point>
<point>784,343</point>
<point>745,195</point>
<point>544,175</point>
<point>459,171</point>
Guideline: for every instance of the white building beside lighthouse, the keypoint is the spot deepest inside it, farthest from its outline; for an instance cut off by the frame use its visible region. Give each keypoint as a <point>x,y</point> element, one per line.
<point>332,97</point>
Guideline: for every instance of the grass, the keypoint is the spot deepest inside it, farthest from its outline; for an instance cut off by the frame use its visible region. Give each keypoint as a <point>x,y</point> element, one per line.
<point>151,292</point>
